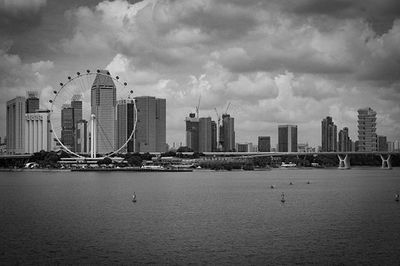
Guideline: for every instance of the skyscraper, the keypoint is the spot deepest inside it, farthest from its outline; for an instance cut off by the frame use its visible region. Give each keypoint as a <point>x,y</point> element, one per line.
<point>367,138</point>
<point>37,131</point>
<point>344,143</point>
<point>287,138</point>
<point>15,125</point>
<point>32,102</point>
<point>125,123</point>
<point>205,137</point>
<point>328,134</point>
<point>192,132</point>
<point>151,124</point>
<point>81,137</point>
<point>227,133</point>
<point>264,143</point>
<point>214,144</point>
<point>67,127</point>
<point>76,104</point>
<point>103,101</point>
<point>161,125</point>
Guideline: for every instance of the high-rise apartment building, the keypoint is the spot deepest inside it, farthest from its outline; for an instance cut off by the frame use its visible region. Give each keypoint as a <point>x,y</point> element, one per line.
<point>328,135</point>
<point>37,131</point>
<point>103,101</point>
<point>367,138</point>
<point>15,125</point>
<point>32,102</point>
<point>67,127</point>
<point>264,143</point>
<point>344,143</point>
<point>287,138</point>
<point>151,124</point>
<point>227,133</point>
<point>125,123</point>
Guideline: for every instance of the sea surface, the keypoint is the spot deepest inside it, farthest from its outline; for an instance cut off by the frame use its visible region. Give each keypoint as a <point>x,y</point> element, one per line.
<point>344,217</point>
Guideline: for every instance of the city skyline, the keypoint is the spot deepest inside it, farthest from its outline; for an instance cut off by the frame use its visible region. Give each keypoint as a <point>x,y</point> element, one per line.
<point>276,63</point>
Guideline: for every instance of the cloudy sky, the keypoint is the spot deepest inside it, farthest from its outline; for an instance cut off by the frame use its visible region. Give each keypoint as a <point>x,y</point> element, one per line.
<point>276,62</point>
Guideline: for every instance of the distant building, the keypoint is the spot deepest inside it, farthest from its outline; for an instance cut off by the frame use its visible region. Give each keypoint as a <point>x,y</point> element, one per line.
<point>367,138</point>
<point>205,134</point>
<point>15,125</point>
<point>82,137</point>
<point>103,101</point>
<point>264,143</point>
<point>150,133</point>
<point>125,123</point>
<point>214,144</point>
<point>328,135</point>
<point>76,104</point>
<point>244,147</point>
<point>201,133</point>
<point>192,132</point>
<point>227,133</point>
<point>344,143</point>
<point>287,138</point>
<point>382,143</point>
<point>37,131</point>
<point>32,102</point>
<point>67,127</point>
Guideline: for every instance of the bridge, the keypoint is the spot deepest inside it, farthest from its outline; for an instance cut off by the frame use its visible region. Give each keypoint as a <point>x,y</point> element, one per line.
<point>344,157</point>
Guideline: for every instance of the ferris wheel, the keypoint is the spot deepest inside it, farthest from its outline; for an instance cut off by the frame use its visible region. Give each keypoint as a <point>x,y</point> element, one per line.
<point>93,112</point>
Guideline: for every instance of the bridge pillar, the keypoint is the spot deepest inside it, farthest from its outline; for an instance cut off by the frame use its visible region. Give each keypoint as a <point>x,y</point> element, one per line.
<point>386,164</point>
<point>344,163</point>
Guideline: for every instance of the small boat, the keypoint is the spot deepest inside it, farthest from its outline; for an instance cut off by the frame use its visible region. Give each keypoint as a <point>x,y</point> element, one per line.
<point>272,186</point>
<point>283,197</point>
<point>290,183</point>
<point>308,182</point>
<point>396,197</point>
<point>134,197</point>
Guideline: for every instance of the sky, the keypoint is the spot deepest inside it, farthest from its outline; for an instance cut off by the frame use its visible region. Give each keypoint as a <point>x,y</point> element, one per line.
<point>272,62</point>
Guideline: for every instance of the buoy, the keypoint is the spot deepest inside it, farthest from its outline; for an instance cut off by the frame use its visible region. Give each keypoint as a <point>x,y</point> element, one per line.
<point>134,197</point>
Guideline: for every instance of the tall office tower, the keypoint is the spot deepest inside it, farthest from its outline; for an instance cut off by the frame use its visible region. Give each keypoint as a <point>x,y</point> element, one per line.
<point>227,133</point>
<point>76,104</point>
<point>287,138</point>
<point>344,143</point>
<point>382,143</point>
<point>67,126</point>
<point>264,143</point>
<point>32,101</point>
<point>15,125</point>
<point>151,122</point>
<point>367,138</point>
<point>192,132</point>
<point>328,134</point>
<point>214,145</point>
<point>103,101</point>
<point>37,131</point>
<point>124,124</point>
<point>205,136</point>
<point>81,137</point>
<point>161,125</point>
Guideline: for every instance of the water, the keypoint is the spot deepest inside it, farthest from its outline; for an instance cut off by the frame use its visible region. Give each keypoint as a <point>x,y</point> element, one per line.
<point>341,217</point>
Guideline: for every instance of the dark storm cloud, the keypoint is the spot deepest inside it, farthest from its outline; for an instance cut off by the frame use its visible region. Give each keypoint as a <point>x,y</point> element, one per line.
<point>20,16</point>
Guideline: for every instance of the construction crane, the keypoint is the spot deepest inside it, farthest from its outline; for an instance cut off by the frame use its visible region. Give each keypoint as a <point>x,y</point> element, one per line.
<point>227,107</point>
<point>198,107</point>
<point>218,129</point>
